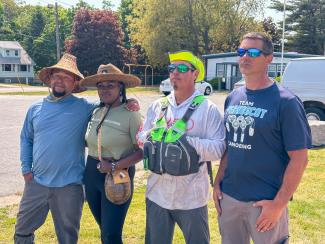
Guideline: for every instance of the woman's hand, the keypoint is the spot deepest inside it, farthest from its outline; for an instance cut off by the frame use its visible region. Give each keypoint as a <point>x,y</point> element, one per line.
<point>104,167</point>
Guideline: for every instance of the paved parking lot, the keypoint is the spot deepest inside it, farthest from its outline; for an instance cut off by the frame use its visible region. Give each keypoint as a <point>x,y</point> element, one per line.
<point>12,114</point>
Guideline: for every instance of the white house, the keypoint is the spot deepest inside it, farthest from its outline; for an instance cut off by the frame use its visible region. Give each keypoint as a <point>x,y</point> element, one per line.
<point>225,67</point>
<point>15,64</point>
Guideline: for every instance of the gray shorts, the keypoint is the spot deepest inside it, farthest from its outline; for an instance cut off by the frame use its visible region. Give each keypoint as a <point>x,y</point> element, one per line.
<point>237,224</point>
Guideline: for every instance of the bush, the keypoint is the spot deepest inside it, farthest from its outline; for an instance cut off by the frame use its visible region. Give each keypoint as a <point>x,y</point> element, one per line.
<point>216,83</point>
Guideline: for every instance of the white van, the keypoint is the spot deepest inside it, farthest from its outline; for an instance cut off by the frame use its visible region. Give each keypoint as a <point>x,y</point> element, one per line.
<point>306,78</point>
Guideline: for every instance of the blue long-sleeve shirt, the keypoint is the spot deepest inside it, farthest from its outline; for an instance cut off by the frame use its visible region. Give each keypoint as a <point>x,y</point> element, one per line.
<point>52,140</point>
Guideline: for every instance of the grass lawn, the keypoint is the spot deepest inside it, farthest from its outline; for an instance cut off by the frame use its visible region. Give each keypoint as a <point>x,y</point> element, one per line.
<point>307,214</point>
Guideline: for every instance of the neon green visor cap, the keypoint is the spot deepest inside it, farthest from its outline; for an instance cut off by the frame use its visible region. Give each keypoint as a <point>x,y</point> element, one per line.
<point>192,59</point>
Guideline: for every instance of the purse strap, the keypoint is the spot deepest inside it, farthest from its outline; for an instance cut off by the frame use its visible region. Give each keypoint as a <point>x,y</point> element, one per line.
<point>99,136</point>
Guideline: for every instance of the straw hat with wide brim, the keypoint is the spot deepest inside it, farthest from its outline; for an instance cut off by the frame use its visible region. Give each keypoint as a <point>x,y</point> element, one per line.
<point>67,63</point>
<point>109,72</point>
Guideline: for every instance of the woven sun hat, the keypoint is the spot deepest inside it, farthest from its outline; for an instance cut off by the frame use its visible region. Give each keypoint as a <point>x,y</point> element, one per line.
<point>189,57</point>
<point>109,72</point>
<point>67,63</point>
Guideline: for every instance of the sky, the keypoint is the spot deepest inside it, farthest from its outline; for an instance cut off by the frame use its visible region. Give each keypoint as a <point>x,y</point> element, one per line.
<point>98,3</point>
<point>67,3</point>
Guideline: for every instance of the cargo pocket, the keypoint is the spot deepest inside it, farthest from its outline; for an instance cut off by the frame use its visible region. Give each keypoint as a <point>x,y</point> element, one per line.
<point>190,157</point>
<point>172,159</point>
<point>150,158</point>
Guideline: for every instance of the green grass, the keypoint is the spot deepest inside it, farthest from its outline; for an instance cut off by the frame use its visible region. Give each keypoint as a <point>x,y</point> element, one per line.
<point>90,92</point>
<point>307,214</point>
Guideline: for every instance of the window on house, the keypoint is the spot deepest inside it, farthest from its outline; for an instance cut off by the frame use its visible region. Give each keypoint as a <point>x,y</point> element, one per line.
<point>272,70</point>
<point>220,70</point>
<point>278,67</point>
<point>7,52</point>
<point>23,68</point>
<point>16,53</point>
<point>6,67</point>
<point>28,66</point>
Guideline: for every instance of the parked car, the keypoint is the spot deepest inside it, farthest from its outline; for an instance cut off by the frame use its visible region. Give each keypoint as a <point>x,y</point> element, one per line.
<point>242,83</point>
<point>239,83</point>
<point>306,78</point>
<point>203,86</point>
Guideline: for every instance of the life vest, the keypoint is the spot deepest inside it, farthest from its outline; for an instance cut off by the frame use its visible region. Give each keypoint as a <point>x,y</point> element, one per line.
<point>167,149</point>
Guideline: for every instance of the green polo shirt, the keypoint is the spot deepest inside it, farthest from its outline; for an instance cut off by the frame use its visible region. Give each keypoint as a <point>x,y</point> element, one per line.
<point>119,131</point>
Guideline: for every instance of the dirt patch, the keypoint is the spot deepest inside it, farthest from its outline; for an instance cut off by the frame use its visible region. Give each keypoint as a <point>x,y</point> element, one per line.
<point>9,200</point>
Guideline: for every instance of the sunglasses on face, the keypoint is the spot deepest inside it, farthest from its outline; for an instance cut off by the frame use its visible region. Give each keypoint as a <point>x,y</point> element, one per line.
<point>251,52</point>
<point>109,86</point>
<point>181,68</point>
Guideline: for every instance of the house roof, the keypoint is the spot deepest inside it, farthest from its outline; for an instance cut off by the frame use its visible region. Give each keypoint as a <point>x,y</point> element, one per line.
<point>23,59</point>
<point>275,54</point>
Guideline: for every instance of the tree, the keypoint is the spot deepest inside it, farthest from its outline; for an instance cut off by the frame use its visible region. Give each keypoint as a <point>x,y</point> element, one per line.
<point>270,28</point>
<point>33,30</point>
<point>305,25</point>
<point>8,12</point>
<point>107,4</point>
<point>202,26</point>
<point>96,39</point>
<point>125,12</point>
<point>83,4</point>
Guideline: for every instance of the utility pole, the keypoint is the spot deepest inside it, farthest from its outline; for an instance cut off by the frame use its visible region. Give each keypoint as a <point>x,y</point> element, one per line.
<point>57,34</point>
<point>283,31</point>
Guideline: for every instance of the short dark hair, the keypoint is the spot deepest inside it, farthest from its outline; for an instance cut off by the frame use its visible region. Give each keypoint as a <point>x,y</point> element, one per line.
<point>266,40</point>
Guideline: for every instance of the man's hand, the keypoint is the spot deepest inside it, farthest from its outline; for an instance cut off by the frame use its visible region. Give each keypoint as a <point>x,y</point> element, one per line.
<point>132,105</point>
<point>28,177</point>
<point>104,167</point>
<point>217,196</point>
<point>270,215</point>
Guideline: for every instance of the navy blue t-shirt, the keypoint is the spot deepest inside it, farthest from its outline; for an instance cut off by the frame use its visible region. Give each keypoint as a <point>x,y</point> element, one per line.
<point>261,127</point>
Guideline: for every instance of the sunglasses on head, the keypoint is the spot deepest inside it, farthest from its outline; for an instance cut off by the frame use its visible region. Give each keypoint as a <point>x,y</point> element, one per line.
<point>181,68</point>
<point>251,52</point>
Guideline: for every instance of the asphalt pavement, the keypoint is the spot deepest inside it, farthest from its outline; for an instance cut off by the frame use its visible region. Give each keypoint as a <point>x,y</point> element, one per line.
<point>12,113</point>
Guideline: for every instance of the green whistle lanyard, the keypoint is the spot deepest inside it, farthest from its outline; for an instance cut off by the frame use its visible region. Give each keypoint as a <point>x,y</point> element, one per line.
<point>178,129</point>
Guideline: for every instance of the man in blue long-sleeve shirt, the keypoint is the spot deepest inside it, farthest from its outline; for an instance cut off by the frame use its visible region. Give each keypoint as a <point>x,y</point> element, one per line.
<point>52,156</point>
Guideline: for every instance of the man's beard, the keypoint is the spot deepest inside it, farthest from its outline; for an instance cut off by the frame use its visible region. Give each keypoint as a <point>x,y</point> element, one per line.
<point>58,94</point>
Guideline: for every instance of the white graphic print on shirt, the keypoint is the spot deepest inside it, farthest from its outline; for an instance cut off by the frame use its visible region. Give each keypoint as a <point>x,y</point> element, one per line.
<point>241,119</point>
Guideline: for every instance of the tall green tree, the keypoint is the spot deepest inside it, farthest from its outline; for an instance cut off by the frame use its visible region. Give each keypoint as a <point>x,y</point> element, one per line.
<point>202,26</point>
<point>107,4</point>
<point>271,28</point>
<point>305,25</point>
<point>125,12</point>
<point>33,31</point>
<point>8,13</point>
<point>83,4</point>
<point>101,29</point>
